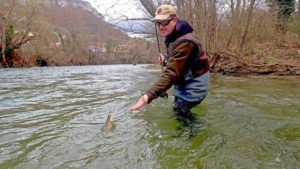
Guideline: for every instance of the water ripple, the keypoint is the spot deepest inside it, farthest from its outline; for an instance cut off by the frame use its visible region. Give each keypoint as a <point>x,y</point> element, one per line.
<point>54,117</point>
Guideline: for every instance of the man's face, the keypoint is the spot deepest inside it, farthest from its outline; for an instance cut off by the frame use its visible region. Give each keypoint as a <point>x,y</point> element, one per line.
<point>166,27</point>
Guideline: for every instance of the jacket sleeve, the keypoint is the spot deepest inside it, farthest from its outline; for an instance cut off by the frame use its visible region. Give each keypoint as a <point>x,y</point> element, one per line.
<point>173,70</point>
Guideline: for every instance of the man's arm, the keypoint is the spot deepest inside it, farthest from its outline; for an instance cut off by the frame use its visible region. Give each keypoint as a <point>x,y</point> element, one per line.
<point>173,70</point>
<point>170,76</point>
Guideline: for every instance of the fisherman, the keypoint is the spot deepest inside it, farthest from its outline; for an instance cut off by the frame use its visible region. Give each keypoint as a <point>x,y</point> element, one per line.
<point>187,65</point>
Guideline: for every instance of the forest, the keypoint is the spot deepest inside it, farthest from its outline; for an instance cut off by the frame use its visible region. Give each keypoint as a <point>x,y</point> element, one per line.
<point>241,36</point>
<point>245,36</point>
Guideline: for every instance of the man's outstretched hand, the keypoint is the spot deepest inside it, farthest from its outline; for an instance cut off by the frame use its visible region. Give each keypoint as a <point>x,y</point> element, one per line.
<point>142,101</point>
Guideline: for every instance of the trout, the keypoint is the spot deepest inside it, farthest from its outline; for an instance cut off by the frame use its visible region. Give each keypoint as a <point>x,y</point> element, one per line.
<point>109,123</point>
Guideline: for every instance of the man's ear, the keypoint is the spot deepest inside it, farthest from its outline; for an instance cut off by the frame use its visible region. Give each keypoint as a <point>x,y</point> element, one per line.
<point>175,19</point>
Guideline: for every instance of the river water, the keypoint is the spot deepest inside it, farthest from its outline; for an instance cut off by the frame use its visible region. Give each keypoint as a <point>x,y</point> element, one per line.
<point>54,117</point>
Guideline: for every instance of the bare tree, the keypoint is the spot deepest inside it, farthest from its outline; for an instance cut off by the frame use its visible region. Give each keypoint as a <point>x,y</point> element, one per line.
<point>298,7</point>
<point>250,9</point>
<point>212,25</point>
<point>149,6</point>
<point>21,16</point>
<point>3,46</point>
<point>235,15</point>
<point>5,15</point>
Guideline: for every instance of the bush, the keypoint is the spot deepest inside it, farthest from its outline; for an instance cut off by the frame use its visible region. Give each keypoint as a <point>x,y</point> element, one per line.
<point>294,24</point>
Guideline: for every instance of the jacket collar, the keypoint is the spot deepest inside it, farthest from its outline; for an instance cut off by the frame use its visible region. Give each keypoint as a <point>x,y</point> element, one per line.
<point>182,27</point>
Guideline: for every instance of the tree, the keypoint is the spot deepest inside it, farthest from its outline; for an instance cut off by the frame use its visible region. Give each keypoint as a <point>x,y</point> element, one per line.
<point>201,14</point>
<point>149,6</point>
<point>294,24</point>
<point>235,15</point>
<point>286,8</point>
<point>5,16</point>
<point>298,7</point>
<point>21,24</point>
<point>3,40</point>
<point>250,9</point>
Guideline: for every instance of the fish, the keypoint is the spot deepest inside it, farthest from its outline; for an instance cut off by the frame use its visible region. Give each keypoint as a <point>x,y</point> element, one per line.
<point>109,123</point>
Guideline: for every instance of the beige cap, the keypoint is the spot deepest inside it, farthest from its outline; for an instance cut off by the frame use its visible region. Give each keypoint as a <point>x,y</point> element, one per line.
<point>163,12</point>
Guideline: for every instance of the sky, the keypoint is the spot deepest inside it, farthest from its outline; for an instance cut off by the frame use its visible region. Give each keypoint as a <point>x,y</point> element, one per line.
<point>113,9</point>
<point>116,8</point>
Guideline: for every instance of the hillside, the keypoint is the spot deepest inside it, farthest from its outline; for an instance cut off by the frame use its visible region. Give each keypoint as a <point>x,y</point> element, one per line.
<point>81,16</point>
<point>65,32</point>
<point>77,3</point>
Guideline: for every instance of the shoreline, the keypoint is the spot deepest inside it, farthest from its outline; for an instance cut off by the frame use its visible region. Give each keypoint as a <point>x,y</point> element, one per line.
<point>214,71</point>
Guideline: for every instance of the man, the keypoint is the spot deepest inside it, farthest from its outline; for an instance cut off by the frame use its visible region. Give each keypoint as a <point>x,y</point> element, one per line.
<point>187,65</point>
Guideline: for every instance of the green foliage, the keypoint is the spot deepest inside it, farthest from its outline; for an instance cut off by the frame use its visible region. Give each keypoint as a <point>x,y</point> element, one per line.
<point>9,34</point>
<point>294,25</point>
<point>9,37</point>
<point>287,7</point>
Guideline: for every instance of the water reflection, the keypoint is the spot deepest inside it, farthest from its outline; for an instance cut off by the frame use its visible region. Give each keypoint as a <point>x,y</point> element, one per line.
<point>190,125</point>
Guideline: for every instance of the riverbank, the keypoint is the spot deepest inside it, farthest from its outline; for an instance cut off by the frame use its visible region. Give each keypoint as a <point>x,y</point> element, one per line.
<point>278,60</point>
<point>272,60</point>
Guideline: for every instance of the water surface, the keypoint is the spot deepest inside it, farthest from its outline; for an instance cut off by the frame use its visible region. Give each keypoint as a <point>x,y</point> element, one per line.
<point>54,117</point>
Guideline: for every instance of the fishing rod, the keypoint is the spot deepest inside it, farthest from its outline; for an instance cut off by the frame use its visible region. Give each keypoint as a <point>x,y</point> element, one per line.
<point>164,94</point>
<point>158,46</point>
<point>156,34</point>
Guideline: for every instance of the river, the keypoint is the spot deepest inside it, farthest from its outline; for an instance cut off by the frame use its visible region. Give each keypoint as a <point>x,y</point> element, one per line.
<point>54,117</point>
